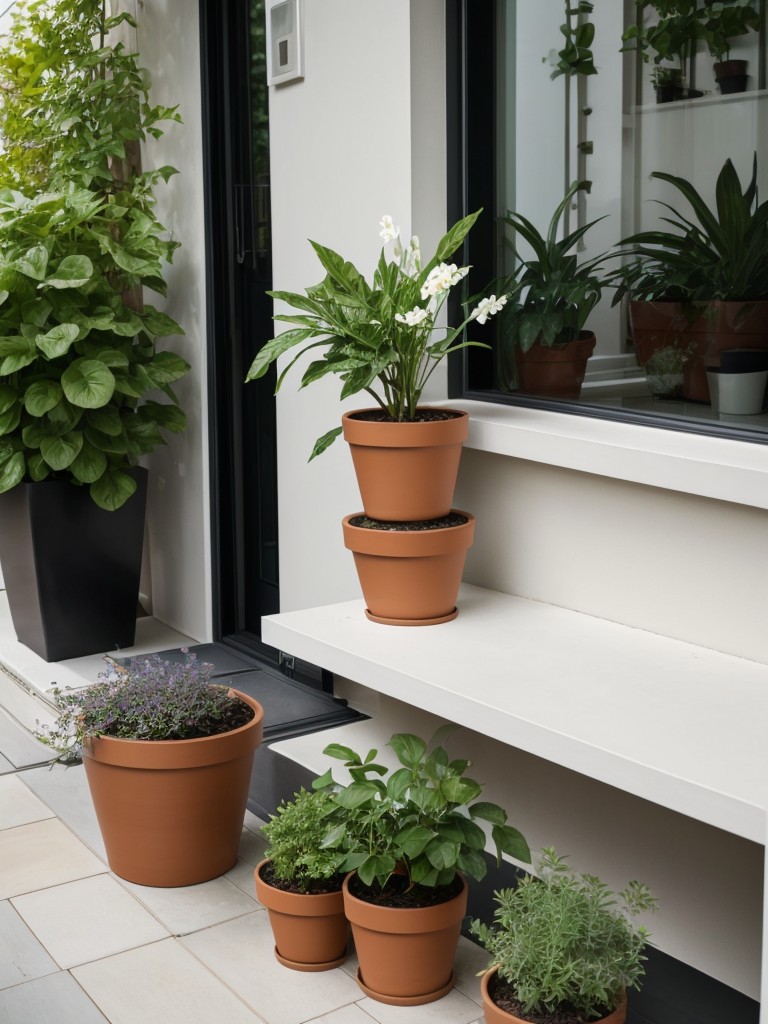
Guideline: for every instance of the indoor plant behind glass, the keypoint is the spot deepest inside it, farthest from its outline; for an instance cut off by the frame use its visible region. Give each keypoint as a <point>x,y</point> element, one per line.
<point>408,837</point>
<point>544,348</point>
<point>168,756</point>
<point>564,948</point>
<point>704,283</point>
<point>79,242</point>
<point>300,885</point>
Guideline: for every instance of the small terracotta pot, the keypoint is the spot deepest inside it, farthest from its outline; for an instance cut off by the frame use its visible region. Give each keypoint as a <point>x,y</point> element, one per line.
<point>557,371</point>
<point>406,471</point>
<point>171,811</point>
<point>406,956</point>
<point>410,577</point>
<point>495,1015</point>
<point>310,931</point>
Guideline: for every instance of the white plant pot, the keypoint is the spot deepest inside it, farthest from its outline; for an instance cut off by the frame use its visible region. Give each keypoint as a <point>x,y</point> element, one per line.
<point>737,394</point>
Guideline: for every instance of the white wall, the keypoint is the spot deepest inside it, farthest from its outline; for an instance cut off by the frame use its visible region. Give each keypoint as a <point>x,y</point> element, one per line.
<point>178,510</point>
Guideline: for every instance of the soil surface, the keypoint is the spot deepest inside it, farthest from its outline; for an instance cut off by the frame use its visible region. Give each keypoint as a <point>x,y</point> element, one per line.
<point>316,887</point>
<point>452,519</point>
<point>236,714</point>
<point>422,416</point>
<point>397,893</point>
<point>503,994</point>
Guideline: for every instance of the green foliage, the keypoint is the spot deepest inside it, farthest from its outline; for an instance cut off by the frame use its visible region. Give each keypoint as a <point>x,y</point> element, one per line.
<point>79,241</point>
<point>565,938</point>
<point>720,22</point>
<point>575,57</point>
<point>419,820</point>
<point>377,334</point>
<point>724,256</point>
<point>295,833</point>
<point>551,294</point>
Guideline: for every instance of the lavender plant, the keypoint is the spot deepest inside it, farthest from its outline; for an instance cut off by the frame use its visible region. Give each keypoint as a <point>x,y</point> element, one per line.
<point>149,699</point>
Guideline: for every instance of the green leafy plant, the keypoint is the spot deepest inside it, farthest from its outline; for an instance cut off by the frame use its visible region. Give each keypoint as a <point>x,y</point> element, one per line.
<point>377,337</point>
<point>418,822</point>
<point>720,22</point>
<point>671,38</point>
<point>565,940</point>
<point>295,834</point>
<point>148,699</point>
<point>724,256</point>
<point>79,243</point>
<point>575,56</point>
<point>550,293</point>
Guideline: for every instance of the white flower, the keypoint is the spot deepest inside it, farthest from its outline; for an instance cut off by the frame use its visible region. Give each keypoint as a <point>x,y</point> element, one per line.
<point>441,278</point>
<point>413,258</point>
<point>413,316</point>
<point>388,229</point>
<point>488,307</point>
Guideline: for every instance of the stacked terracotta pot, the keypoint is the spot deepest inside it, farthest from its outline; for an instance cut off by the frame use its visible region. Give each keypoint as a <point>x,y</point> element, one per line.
<point>410,574</point>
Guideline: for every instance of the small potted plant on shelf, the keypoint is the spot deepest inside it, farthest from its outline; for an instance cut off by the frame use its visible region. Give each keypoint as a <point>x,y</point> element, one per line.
<point>719,24</point>
<point>382,338</point>
<point>563,948</point>
<point>664,370</point>
<point>544,346</point>
<point>300,885</point>
<point>705,283</point>
<point>672,38</point>
<point>408,837</point>
<point>168,757</point>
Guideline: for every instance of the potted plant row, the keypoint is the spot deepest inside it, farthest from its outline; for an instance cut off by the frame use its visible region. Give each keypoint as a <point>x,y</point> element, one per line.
<point>408,543</point>
<point>168,756</point>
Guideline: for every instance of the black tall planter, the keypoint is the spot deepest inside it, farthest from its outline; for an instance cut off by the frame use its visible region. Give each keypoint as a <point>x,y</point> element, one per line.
<point>71,569</point>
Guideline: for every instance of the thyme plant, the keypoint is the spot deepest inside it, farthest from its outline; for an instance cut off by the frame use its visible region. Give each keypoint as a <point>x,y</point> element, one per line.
<point>565,940</point>
<point>295,833</point>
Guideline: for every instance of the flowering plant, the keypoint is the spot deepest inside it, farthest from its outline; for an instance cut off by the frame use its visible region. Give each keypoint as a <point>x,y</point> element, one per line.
<point>380,333</point>
<point>149,699</point>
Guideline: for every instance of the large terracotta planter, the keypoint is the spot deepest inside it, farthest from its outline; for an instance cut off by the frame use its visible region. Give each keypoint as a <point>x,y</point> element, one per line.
<point>406,956</point>
<point>709,327</point>
<point>557,371</point>
<point>171,811</point>
<point>310,931</point>
<point>495,1015</point>
<point>405,471</point>
<point>71,569</point>
<point>410,577</point>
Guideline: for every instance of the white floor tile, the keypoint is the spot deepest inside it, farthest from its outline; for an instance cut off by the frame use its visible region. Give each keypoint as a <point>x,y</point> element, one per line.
<point>241,875</point>
<point>189,908</point>
<point>109,920</point>
<point>19,746</point>
<point>160,984</point>
<point>56,999</point>
<point>346,1015</point>
<point>40,855</point>
<point>252,845</point>
<point>470,959</point>
<point>18,804</point>
<point>66,792</point>
<point>454,1008</point>
<point>241,953</point>
<point>22,958</point>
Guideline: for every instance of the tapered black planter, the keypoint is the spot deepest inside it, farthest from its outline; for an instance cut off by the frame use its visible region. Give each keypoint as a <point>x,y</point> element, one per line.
<point>71,569</point>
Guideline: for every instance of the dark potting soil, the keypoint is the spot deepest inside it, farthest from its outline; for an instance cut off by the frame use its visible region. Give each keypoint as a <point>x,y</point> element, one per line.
<point>397,893</point>
<point>236,714</point>
<point>316,887</point>
<point>452,519</point>
<point>422,416</point>
<point>503,994</point>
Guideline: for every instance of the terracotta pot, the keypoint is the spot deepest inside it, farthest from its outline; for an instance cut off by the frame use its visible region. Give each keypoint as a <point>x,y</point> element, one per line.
<point>406,471</point>
<point>495,1015</point>
<point>410,577</point>
<point>406,956</point>
<point>709,326</point>
<point>171,811</point>
<point>310,931</point>
<point>557,372</point>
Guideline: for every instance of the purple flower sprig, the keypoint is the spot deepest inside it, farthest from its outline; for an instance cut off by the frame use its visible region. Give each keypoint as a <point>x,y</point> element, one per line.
<point>148,699</point>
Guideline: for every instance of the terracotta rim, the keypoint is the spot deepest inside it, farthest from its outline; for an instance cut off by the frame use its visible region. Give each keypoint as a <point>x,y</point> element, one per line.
<point>309,904</point>
<point>409,543</point>
<point>384,434</point>
<point>495,1015</point>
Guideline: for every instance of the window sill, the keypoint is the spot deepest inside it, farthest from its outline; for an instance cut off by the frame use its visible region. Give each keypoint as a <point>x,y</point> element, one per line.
<point>711,467</point>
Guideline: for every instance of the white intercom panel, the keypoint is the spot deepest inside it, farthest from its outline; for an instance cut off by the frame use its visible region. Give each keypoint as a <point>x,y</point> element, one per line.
<point>285,42</point>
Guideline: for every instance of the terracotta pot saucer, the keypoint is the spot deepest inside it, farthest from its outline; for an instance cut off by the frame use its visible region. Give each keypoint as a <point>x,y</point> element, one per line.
<point>297,965</point>
<point>428,997</point>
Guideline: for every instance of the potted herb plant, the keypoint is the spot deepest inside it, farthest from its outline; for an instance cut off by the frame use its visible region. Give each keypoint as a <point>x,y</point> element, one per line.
<point>563,947</point>
<point>168,757</point>
<point>408,837</point>
<point>672,38</point>
<point>544,346</point>
<point>300,885</point>
<point>719,23</point>
<point>83,382</point>
<point>703,283</point>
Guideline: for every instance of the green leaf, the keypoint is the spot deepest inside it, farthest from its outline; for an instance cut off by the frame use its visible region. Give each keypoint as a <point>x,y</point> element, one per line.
<point>58,340</point>
<point>275,348</point>
<point>460,791</point>
<point>37,466</point>
<point>33,263</point>
<point>88,384</point>
<point>413,841</point>
<point>60,452</point>
<point>489,812</point>
<point>9,420</point>
<point>324,442</point>
<point>441,854</point>
<point>356,794</point>
<point>341,753</point>
<point>510,841</point>
<point>12,472</point>
<point>42,396</point>
<point>8,397</point>
<point>112,490</point>
<point>89,465</point>
<point>165,368</point>
<point>409,749</point>
<point>72,272</point>
<point>107,420</point>
<point>472,863</point>
<point>159,324</point>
